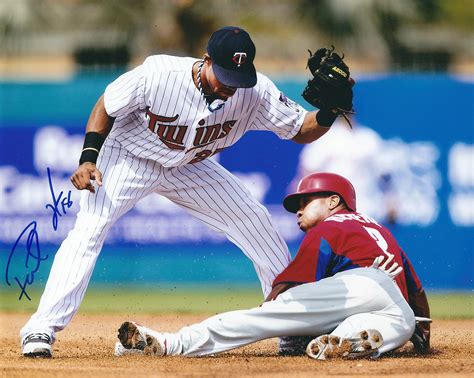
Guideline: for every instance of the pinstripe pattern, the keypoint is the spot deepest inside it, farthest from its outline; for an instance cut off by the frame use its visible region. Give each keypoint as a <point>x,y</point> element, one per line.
<point>164,85</point>
<point>213,195</point>
<point>126,179</point>
<point>141,156</point>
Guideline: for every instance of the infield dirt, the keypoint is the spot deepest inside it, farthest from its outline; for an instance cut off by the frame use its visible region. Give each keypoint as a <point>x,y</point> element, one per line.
<point>85,348</point>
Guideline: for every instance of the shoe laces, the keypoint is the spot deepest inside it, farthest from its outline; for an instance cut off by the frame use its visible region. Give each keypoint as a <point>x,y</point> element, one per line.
<point>42,336</point>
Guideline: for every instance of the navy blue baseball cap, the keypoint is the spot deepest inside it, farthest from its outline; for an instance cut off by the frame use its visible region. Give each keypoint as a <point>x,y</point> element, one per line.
<point>232,53</point>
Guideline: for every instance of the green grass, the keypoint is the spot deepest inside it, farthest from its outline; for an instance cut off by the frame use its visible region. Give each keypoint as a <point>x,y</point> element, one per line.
<point>452,305</point>
<point>192,299</point>
<point>163,299</point>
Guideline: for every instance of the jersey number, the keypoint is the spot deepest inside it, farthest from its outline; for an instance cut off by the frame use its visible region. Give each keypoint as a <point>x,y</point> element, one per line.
<point>201,155</point>
<point>379,239</point>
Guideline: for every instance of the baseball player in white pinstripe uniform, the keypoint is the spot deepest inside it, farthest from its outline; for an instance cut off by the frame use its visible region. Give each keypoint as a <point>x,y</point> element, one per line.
<point>152,132</point>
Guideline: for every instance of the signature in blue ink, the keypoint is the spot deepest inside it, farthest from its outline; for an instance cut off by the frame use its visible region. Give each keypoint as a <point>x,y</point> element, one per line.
<point>65,203</point>
<point>33,254</point>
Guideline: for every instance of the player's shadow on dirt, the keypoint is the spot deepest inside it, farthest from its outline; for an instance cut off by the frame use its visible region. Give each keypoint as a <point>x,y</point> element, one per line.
<point>411,353</point>
<point>404,352</point>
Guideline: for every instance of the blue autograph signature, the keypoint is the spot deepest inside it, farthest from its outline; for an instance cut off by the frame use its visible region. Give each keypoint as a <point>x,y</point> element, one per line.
<point>33,252</point>
<point>33,258</point>
<point>65,203</point>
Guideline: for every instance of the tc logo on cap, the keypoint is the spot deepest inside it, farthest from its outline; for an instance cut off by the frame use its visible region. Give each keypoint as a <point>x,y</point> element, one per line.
<point>239,58</point>
<point>232,52</point>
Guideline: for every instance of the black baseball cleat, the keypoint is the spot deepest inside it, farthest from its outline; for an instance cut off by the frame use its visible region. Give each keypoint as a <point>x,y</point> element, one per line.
<point>363,344</point>
<point>293,345</point>
<point>37,345</point>
<point>136,338</point>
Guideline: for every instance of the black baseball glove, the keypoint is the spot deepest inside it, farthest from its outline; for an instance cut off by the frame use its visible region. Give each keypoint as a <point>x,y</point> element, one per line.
<point>421,337</point>
<point>330,89</point>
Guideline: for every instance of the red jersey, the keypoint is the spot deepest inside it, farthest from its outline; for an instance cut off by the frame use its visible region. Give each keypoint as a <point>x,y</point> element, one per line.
<point>343,241</point>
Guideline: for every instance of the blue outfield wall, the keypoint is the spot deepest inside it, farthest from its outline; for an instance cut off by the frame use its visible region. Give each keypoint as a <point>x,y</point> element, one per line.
<point>410,156</point>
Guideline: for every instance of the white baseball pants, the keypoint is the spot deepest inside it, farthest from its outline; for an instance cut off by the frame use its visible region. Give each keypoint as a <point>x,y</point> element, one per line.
<point>205,189</point>
<point>342,305</point>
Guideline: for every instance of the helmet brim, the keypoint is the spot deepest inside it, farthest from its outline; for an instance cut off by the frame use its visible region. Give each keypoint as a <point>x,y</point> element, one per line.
<point>291,202</point>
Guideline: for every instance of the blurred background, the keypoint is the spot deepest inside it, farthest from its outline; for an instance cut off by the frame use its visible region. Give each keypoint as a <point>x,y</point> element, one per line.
<point>55,38</point>
<point>410,154</point>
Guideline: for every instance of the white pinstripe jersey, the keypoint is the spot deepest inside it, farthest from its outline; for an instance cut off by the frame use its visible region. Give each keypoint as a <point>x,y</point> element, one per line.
<point>161,115</point>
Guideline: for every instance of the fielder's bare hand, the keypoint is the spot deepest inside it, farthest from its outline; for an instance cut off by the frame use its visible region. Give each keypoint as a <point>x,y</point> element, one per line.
<point>83,175</point>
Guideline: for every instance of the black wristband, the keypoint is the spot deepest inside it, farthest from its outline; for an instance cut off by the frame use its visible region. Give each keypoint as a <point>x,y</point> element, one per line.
<point>92,144</point>
<point>325,118</point>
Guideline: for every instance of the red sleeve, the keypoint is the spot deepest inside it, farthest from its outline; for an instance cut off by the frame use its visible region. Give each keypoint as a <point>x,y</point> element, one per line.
<point>412,280</point>
<point>416,295</point>
<point>307,262</point>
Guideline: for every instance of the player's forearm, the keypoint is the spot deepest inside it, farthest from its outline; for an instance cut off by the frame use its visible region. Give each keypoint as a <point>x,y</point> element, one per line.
<point>419,304</point>
<point>97,129</point>
<point>99,121</point>
<point>311,130</point>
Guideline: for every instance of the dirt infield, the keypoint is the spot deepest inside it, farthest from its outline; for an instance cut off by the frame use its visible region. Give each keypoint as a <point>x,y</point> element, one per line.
<point>86,349</point>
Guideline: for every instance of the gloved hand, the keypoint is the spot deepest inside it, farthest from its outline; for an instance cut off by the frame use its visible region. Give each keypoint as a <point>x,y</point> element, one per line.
<point>421,336</point>
<point>330,89</point>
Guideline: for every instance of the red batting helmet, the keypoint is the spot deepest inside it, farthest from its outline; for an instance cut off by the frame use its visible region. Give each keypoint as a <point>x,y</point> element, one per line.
<point>322,182</point>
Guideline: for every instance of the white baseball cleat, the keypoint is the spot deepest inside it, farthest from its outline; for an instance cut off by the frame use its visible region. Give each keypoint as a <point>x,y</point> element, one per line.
<point>37,345</point>
<point>136,339</point>
<point>363,344</point>
<point>120,350</point>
